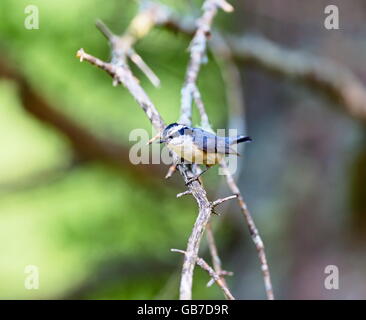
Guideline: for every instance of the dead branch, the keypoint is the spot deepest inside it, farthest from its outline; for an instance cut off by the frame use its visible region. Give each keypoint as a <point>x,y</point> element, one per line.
<point>205,123</point>
<point>339,84</point>
<point>220,201</point>
<point>216,261</point>
<point>190,89</point>
<point>119,70</point>
<point>211,242</point>
<point>185,193</point>
<point>252,230</point>
<point>216,277</point>
<point>121,73</point>
<point>236,99</point>
<point>336,81</point>
<point>171,171</point>
<point>250,222</point>
<point>197,51</point>
<point>236,119</point>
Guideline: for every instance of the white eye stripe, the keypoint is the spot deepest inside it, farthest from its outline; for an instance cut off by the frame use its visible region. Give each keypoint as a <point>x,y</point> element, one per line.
<point>174,130</point>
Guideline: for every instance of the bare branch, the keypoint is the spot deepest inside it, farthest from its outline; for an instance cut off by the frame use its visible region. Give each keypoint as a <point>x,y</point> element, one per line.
<point>197,51</point>
<point>136,59</point>
<point>222,48</point>
<point>336,81</point>
<point>119,70</point>
<point>216,261</point>
<point>171,170</point>
<point>252,230</point>
<point>179,195</point>
<point>219,201</point>
<point>189,89</point>
<point>250,222</point>
<point>121,73</point>
<point>122,46</point>
<point>104,30</point>
<point>236,119</point>
<point>205,123</point>
<point>205,266</point>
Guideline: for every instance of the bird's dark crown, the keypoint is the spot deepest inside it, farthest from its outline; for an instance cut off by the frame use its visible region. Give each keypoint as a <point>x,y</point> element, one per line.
<point>174,129</point>
<point>170,126</point>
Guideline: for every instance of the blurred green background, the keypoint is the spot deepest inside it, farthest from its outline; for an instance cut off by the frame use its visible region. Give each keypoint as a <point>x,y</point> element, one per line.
<point>98,227</point>
<point>93,229</point>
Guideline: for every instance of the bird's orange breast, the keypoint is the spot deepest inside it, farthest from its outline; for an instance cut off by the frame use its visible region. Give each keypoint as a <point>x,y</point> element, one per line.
<point>195,155</point>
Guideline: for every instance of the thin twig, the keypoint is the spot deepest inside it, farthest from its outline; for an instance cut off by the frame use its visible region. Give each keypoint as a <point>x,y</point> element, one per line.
<point>122,74</point>
<point>140,26</point>
<point>139,62</point>
<point>234,90</point>
<point>236,119</point>
<point>179,195</point>
<point>197,51</point>
<point>104,30</point>
<point>219,201</point>
<point>171,170</point>
<point>216,261</point>
<point>205,123</point>
<point>205,266</point>
<point>252,230</point>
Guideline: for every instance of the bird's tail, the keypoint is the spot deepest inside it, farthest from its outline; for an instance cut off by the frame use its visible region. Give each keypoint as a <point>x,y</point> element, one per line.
<point>240,139</point>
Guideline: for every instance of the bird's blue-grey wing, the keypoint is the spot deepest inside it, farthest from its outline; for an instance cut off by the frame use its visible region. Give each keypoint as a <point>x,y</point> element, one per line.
<point>211,143</point>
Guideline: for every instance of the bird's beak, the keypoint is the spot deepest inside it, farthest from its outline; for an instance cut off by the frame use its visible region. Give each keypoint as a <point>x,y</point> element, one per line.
<point>162,141</point>
<point>153,139</point>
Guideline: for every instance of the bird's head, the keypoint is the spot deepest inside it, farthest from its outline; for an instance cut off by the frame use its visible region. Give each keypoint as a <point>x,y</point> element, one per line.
<point>172,131</point>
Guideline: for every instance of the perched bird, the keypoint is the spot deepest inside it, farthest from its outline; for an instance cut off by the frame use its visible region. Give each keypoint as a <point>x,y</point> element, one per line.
<point>198,146</point>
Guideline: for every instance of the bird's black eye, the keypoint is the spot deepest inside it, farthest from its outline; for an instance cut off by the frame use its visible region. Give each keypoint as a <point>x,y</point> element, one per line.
<point>182,131</point>
<point>170,137</point>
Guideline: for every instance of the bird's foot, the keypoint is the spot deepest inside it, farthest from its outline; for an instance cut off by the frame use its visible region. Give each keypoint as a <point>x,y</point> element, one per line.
<point>189,181</point>
<point>196,177</point>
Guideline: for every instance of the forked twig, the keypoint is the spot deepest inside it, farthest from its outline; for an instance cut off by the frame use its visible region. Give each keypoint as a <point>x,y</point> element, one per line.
<point>197,50</point>
<point>216,277</point>
<point>189,91</point>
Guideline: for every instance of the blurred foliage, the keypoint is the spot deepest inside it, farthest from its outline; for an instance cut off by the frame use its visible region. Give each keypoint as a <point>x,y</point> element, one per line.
<point>76,221</point>
<point>102,232</point>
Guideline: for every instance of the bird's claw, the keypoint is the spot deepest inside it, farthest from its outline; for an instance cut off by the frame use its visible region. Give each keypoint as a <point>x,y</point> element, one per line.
<point>191,180</point>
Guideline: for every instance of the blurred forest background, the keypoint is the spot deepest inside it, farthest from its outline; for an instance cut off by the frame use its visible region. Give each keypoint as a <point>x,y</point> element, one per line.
<point>99,227</point>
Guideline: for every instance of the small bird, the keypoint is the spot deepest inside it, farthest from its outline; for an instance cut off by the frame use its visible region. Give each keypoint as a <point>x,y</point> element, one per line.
<point>196,145</point>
